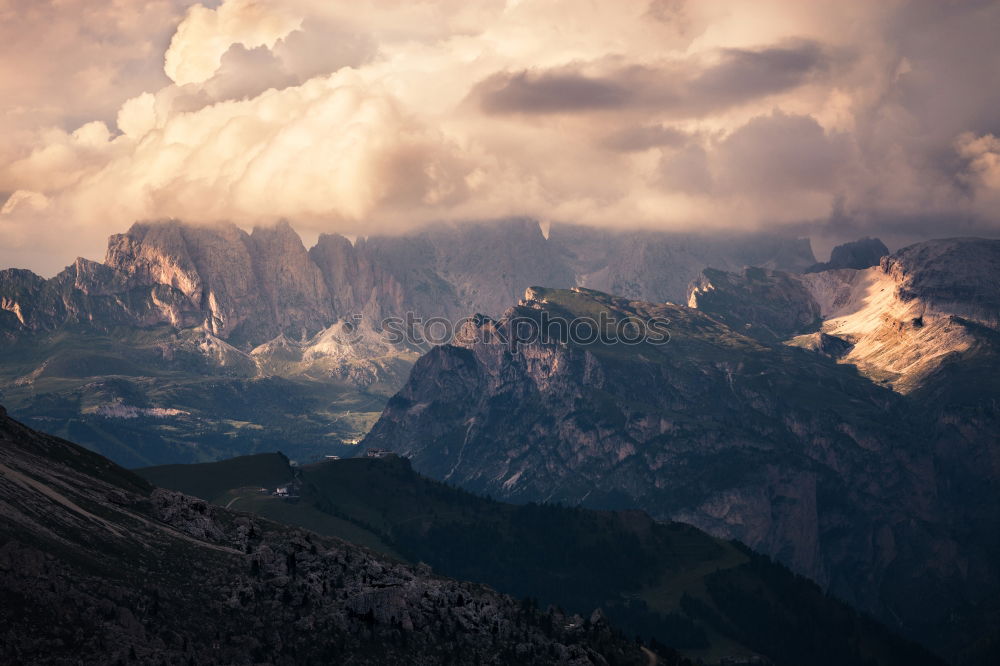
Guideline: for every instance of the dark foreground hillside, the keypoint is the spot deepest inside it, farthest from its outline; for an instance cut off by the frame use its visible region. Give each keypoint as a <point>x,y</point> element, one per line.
<point>670,583</point>
<point>99,567</point>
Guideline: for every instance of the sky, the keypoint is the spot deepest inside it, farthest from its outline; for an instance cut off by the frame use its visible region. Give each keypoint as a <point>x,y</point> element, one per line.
<point>828,119</point>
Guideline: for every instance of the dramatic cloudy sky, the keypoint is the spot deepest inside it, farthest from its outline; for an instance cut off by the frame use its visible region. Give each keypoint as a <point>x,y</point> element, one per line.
<point>834,119</point>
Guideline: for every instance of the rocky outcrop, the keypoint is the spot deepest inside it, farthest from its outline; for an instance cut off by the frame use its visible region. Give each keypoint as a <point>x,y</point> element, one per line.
<point>97,567</point>
<point>917,309</point>
<point>249,286</point>
<point>897,320</point>
<point>954,276</point>
<point>859,254</point>
<point>91,295</point>
<point>765,304</point>
<point>355,354</point>
<point>781,448</point>
<point>821,343</point>
<point>357,283</point>
<point>289,283</point>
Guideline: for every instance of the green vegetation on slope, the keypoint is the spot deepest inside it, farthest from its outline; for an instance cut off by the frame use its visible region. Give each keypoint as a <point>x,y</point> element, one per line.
<point>668,582</point>
<point>212,481</point>
<point>157,395</point>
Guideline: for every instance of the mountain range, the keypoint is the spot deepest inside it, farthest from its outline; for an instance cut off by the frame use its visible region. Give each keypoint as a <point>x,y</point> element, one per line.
<point>838,417</point>
<point>863,453</point>
<point>193,343</point>
<point>249,288</point>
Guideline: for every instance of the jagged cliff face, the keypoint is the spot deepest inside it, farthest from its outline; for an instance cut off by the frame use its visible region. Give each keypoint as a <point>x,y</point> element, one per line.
<point>98,567</point>
<point>859,254</point>
<point>955,276</point>
<point>897,321</point>
<point>87,294</point>
<point>765,304</point>
<point>920,307</point>
<point>250,288</point>
<point>781,448</point>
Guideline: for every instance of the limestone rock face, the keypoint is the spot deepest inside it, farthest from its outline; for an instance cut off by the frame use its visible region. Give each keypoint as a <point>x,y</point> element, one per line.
<point>211,266</point>
<point>491,264</point>
<point>897,320</point>
<point>288,282</point>
<point>766,304</point>
<point>955,276</point>
<point>249,288</point>
<point>88,294</point>
<point>859,254</point>
<point>917,309</point>
<point>821,343</point>
<point>357,284</point>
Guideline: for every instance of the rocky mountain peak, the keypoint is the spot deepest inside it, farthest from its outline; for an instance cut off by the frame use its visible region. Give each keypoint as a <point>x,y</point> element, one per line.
<point>862,253</point>
<point>922,306</point>
<point>288,281</point>
<point>248,288</point>
<point>954,276</point>
<point>766,304</point>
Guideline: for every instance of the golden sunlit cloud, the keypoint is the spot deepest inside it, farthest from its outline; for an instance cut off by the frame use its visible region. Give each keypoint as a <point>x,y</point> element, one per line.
<point>377,116</point>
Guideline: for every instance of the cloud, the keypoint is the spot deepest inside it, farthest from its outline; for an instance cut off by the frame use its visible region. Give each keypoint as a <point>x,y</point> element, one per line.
<point>781,153</point>
<point>980,172</point>
<point>205,35</point>
<point>679,88</point>
<point>379,115</point>
<point>334,147</point>
<point>64,63</point>
<point>551,92</point>
<point>643,137</point>
<point>746,74</point>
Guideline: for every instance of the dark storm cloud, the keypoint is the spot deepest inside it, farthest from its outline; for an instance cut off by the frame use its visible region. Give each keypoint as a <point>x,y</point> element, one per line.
<point>687,88</point>
<point>743,74</point>
<point>551,92</point>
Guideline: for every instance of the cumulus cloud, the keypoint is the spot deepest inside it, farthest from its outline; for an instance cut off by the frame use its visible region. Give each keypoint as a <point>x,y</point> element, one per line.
<point>825,117</point>
<point>205,35</point>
